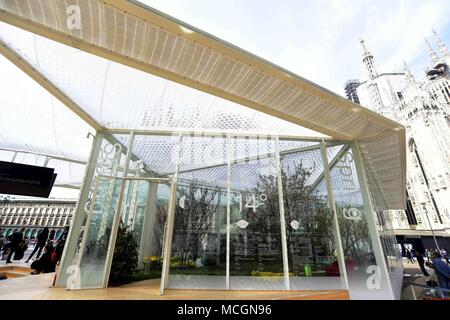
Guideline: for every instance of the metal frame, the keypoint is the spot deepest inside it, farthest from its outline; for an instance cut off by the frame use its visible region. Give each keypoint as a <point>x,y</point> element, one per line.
<point>337,233</point>
<point>331,164</point>
<point>170,223</point>
<point>216,134</point>
<point>284,249</point>
<point>257,157</point>
<point>79,212</point>
<point>374,236</point>
<point>148,16</point>
<point>48,157</point>
<point>26,67</point>
<point>228,238</point>
<point>118,209</point>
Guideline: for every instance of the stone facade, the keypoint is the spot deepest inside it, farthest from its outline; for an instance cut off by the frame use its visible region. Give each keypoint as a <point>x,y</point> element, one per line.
<point>34,215</point>
<point>423,107</point>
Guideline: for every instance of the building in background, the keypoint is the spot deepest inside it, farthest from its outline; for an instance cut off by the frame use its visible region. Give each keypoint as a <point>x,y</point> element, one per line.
<point>34,215</point>
<point>423,107</point>
<point>350,90</point>
<point>381,91</point>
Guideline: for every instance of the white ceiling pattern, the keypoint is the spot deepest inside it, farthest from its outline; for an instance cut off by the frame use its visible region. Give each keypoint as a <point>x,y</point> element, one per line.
<point>155,43</point>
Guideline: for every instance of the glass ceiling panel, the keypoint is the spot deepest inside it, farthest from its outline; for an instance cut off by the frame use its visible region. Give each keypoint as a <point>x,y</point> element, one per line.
<point>118,96</point>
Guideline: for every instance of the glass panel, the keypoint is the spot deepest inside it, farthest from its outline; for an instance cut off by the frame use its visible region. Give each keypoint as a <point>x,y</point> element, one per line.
<point>255,246</point>
<point>385,227</point>
<point>95,249</point>
<point>144,213</point>
<point>199,239</point>
<point>365,276</point>
<point>153,155</point>
<point>310,232</point>
<point>107,159</point>
<point>140,207</point>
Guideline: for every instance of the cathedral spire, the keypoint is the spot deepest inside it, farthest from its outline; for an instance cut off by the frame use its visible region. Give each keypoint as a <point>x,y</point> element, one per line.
<point>432,53</point>
<point>408,74</point>
<point>441,45</point>
<point>368,61</point>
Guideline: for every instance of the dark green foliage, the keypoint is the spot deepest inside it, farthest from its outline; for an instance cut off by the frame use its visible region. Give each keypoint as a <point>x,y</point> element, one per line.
<point>125,260</point>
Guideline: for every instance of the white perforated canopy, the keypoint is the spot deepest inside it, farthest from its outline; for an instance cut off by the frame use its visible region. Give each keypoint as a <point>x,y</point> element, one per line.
<point>132,48</point>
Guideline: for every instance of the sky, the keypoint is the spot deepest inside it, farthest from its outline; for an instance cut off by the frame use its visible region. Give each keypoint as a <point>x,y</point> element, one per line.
<point>319,40</point>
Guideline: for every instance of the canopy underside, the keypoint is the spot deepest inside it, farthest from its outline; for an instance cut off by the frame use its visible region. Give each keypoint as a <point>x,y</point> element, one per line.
<point>233,90</point>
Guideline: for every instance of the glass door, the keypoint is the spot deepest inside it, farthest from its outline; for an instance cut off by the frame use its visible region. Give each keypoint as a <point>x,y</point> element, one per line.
<point>124,208</point>
<point>144,215</point>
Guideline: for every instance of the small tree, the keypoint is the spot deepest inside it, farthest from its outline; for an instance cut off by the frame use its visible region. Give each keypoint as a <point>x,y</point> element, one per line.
<point>194,222</point>
<point>125,259</point>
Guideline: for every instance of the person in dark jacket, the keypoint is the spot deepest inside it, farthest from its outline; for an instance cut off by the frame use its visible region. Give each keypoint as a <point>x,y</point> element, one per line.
<point>45,263</point>
<point>16,240</point>
<point>421,262</point>
<point>40,244</point>
<point>442,270</point>
<point>61,243</point>
<point>51,237</point>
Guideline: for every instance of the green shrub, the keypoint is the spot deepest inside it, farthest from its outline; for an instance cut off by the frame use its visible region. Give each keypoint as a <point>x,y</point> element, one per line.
<point>125,259</point>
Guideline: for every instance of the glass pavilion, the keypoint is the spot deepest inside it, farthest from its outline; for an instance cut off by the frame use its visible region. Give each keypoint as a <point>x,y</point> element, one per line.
<point>238,174</point>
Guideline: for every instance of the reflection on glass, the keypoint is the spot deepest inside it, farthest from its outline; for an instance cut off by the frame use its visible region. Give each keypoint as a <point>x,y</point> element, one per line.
<point>312,255</point>
<point>238,176</point>
<point>198,246</point>
<point>148,225</point>
<point>97,240</point>
<point>107,160</point>
<point>199,234</point>
<point>364,274</point>
<point>255,245</point>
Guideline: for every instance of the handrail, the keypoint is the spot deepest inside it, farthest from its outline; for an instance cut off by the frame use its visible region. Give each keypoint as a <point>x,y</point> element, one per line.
<point>429,287</point>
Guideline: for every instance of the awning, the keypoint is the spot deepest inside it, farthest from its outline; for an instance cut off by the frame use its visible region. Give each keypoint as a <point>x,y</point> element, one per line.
<point>150,41</point>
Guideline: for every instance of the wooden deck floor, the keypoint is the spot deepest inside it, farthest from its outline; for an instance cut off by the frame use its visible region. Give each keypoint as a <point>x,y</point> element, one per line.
<point>38,287</point>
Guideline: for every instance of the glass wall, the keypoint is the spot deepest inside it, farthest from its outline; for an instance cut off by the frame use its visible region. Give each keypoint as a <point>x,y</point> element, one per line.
<point>312,252</point>
<point>256,260</point>
<point>363,260</point>
<point>84,259</point>
<point>249,213</point>
<point>199,234</point>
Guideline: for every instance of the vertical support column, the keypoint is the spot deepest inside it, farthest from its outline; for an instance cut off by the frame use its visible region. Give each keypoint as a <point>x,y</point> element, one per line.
<point>170,222</point>
<point>336,230</point>
<point>228,240</point>
<point>147,234</point>
<point>79,212</point>
<point>217,215</point>
<point>117,214</point>
<point>374,236</point>
<point>282,216</point>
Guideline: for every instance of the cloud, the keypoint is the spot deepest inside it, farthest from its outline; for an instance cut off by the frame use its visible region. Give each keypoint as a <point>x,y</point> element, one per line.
<point>319,39</point>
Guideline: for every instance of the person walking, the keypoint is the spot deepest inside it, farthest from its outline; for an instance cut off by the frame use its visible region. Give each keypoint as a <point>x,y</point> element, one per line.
<point>409,256</point>
<point>51,237</point>
<point>45,263</point>
<point>442,271</point>
<point>16,240</point>
<point>421,262</point>
<point>40,244</point>
<point>61,243</point>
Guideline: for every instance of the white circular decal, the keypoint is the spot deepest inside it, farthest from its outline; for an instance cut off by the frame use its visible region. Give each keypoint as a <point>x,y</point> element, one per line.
<point>242,224</point>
